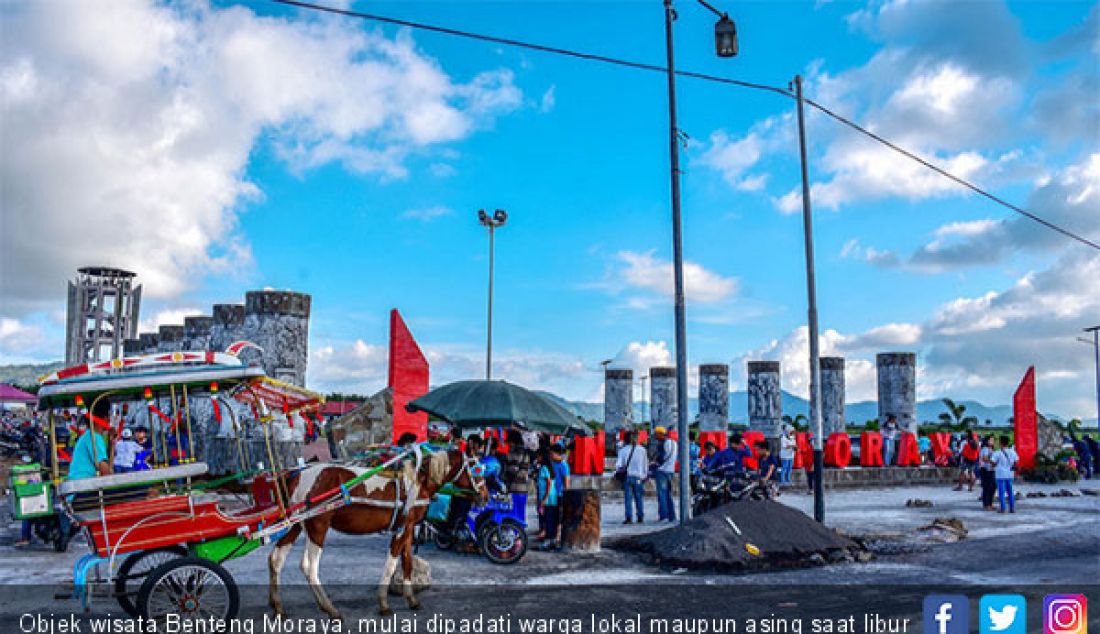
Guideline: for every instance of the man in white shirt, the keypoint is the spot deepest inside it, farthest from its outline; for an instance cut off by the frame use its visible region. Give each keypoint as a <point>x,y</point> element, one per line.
<point>632,461</point>
<point>665,463</point>
<point>1004,464</point>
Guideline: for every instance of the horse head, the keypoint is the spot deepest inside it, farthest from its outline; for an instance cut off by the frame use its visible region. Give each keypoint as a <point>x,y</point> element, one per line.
<point>456,468</point>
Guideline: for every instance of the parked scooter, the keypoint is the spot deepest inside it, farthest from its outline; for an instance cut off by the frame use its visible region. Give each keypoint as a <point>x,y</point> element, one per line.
<point>498,529</point>
<point>716,489</point>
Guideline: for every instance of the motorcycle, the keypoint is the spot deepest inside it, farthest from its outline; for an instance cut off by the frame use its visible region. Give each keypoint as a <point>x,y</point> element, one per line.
<point>32,502</point>
<point>498,529</point>
<point>716,489</point>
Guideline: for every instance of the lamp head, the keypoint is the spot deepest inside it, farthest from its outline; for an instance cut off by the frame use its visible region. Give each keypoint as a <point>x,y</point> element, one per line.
<point>500,216</point>
<point>725,37</point>
<point>482,217</point>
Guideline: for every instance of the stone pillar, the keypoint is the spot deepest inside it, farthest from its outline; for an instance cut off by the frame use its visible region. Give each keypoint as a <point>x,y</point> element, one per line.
<point>662,397</point>
<point>897,388</point>
<point>714,397</point>
<point>618,400</point>
<point>832,394</point>
<point>170,339</point>
<point>765,398</point>
<point>278,322</point>
<point>227,326</point>
<point>196,332</point>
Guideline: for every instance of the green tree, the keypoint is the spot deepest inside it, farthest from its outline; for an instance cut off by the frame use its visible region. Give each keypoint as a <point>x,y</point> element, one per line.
<point>955,417</point>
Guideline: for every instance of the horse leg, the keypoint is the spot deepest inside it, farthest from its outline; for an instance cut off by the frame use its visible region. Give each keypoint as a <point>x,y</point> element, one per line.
<point>275,562</point>
<point>311,563</point>
<point>387,573</point>
<point>407,570</point>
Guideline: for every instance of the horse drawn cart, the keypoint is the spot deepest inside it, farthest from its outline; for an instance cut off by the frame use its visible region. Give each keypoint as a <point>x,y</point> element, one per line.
<point>159,536</point>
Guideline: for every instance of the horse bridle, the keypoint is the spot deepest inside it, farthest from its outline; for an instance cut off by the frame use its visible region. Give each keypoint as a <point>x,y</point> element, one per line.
<point>478,481</point>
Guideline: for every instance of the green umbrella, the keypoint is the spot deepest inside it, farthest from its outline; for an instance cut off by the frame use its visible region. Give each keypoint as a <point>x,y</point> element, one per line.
<point>491,403</point>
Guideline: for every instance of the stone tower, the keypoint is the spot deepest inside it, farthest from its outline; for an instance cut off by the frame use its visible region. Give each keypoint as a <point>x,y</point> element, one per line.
<point>897,388</point>
<point>765,398</point>
<point>103,309</point>
<point>618,399</point>
<point>714,397</point>
<point>170,338</point>
<point>662,397</point>
<point>278,322</point>
<point>832,395</point>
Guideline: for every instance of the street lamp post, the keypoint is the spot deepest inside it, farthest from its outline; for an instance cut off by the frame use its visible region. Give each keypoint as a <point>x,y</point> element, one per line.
<point>725,41</point>
<point>811,294</point>
<point>498,219</point>
<point>1095,330</point>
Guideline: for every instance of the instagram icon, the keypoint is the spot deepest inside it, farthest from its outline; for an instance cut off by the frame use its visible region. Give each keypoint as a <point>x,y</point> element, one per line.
<point>1065,614</point>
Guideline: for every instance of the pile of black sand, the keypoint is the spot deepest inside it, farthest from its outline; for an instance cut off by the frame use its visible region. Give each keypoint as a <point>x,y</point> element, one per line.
<point>745,535</point>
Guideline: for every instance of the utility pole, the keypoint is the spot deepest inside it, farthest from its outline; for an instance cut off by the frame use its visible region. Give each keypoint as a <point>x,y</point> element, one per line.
<point>1095,330</point>
<point>678,275</point>
<point>492,222</point>
<point>811,294</point>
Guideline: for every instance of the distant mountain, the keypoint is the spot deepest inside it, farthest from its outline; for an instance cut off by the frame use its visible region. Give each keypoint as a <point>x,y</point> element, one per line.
<point>927,411</point>
<point>26,375</point>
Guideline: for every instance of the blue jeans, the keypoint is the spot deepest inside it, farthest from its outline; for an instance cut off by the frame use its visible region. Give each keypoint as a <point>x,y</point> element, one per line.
<point>1004,489</point>
<point>633,489</point>
<point>887,451</point>
<point>785,469</point>
<point>665,508</point>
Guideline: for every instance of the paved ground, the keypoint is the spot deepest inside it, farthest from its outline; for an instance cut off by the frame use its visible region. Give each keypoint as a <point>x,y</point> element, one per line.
<point>1049,540</point>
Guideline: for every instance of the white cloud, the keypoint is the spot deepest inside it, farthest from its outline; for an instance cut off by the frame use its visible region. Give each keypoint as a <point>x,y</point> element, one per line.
<point>735,157</point>
<point>546,103</point>
<point>128,128</point>
<point>167,317</point>
<point>641,356</point>
<point>359,367</point>
<point>644,271</point>
<point>428,214</point>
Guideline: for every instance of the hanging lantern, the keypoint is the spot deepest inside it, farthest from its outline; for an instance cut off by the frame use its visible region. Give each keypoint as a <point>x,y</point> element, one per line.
<point>147,394</point>
<point>79,400</point>
<point>213,387</point>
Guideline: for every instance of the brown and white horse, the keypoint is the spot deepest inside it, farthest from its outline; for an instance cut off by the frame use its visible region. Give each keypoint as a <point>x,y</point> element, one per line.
<point>379,503</point>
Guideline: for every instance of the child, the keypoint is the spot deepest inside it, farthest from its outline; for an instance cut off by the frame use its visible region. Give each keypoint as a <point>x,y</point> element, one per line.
<point>1004,465</point>
<point>126,451</point>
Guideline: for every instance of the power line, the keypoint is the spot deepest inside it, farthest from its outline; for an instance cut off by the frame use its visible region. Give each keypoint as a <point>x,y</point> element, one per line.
<point>967,184</point>
<point>694,75</point>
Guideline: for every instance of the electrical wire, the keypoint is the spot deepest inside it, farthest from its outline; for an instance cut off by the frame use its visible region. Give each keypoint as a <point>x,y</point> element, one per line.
<point>694,75</point>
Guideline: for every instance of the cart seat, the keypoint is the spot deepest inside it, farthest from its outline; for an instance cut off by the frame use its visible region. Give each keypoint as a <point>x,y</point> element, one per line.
<point>132,478</point>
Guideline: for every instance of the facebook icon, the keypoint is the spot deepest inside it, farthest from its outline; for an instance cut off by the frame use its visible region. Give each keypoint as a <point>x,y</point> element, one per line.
<point>946,614</point>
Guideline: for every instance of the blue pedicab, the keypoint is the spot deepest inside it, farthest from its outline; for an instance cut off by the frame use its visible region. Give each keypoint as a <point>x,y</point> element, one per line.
<point>498,529</point>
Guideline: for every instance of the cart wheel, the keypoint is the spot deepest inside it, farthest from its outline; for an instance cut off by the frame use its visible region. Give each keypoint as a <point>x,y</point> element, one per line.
<point>135,568</point>
<point>505,543</point>
<point>196,589</point>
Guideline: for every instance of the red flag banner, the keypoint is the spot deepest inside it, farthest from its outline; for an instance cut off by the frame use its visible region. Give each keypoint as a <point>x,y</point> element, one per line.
<point>1024,419</point>
<point>408,379</point>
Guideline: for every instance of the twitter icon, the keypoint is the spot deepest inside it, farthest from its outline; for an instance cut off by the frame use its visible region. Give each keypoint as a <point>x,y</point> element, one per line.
<point>1002,614</point>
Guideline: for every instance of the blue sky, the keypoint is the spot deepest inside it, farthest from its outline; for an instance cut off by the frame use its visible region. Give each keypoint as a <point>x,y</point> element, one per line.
<point>229,147</point>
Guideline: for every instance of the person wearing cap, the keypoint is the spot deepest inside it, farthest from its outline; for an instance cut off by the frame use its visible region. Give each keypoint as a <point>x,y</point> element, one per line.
<point>664,466</point>
<point>126,451</point>
<point>90,454</point>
